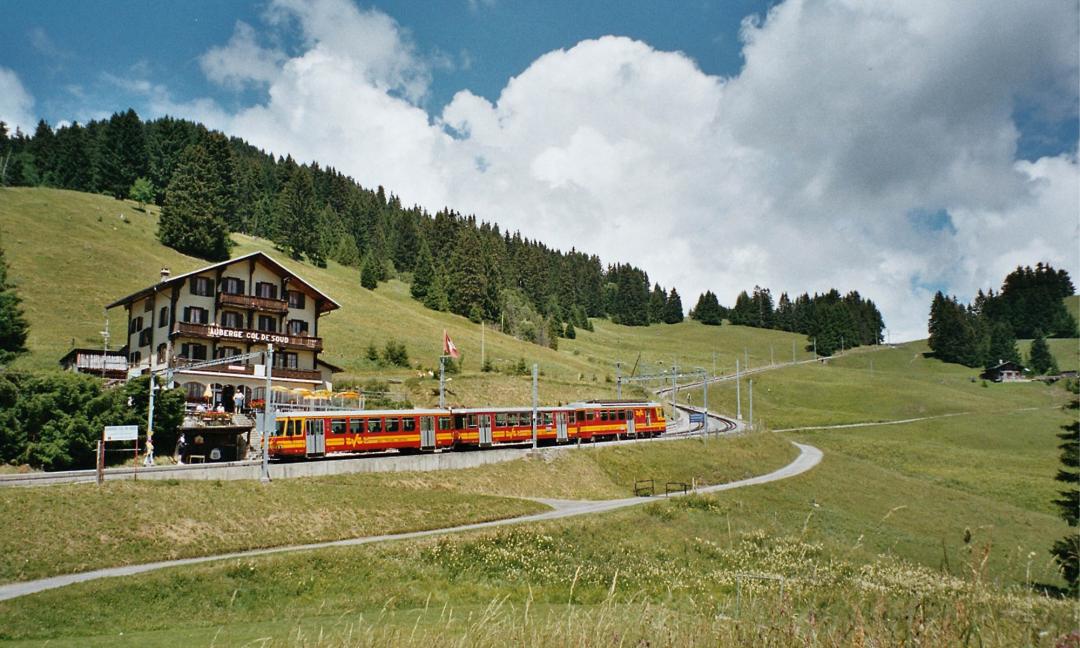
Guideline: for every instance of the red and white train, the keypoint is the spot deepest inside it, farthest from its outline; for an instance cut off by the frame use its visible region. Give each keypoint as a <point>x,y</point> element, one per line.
<point>300,435</point>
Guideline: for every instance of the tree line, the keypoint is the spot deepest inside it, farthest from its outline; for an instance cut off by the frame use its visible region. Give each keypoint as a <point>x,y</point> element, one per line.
<point>830,322</point>
<point>209,185</point>
<point>983,333</point>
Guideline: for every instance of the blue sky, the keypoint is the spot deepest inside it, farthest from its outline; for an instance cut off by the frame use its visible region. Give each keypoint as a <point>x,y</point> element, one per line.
<point>887,147</point>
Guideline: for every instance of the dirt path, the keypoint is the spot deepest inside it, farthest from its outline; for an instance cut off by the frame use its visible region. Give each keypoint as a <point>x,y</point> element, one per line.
<point>809,456</point>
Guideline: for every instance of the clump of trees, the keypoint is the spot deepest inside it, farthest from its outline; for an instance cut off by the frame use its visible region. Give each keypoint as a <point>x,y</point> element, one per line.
<point>53,420</point>
<point>832,320</point>
<point>209,185</point>
<point>984,332</point>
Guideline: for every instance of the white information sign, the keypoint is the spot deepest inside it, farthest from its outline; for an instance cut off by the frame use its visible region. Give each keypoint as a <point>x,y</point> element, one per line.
<point>121,432</point>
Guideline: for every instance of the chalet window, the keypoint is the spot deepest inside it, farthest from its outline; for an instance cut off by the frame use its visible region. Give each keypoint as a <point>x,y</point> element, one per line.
<point>201,286</point>
<point>136,325</point>
<point>266,290</point>
<point>193,351</point>
<point>286,360</point>
<point>267,324</point>
<point>227,352</point>
<point>231,319</point>
<point>196,315</point>
<point>136,357</point>
<point>232,286</point>
<point>296,299</point>
<point>163,316</point>
<point>356,426</point>
<point>162,351</point>
<point>148,305</point>
<point>298,327</point>
<point>144,337</point>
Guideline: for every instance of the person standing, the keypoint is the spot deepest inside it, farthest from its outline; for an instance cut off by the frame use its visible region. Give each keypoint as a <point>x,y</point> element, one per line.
<point>238,401</point>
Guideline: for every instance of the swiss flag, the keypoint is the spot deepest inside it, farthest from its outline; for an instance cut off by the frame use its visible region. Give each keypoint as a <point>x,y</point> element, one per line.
<point>448,346</point>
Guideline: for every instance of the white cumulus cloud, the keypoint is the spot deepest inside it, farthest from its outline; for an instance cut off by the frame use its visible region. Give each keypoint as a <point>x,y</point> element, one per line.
<point>862,146</point>
<point>16,104</point>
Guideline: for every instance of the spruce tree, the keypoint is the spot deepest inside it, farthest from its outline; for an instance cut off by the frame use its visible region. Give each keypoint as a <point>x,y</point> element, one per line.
<point>1066,551</point>
<point>1041,361</point>
<point>436,298</point>
<point>465,275</point>
<point>13,326</point>
<point>369,272</point>
<point>658,299</point>
<point>345,251</point>
<point>570,333</point>
<point>423,272</point>
<point>192,218</point>
<point>1002,345</point>
<point>122,156</point>
<point>673,309</point>
<point>295,213</point>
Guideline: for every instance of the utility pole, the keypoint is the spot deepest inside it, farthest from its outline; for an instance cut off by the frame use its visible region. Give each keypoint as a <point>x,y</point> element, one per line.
<point>535,367</point>
<point>841,344</point>
<point>714,364</point>
<point>815,348</point>
<point>738,397</point>
<point>793,352</point>
<point>618,380</point>
<point>772,355</point>
<point>751,403</point>
<point>268,417</point>
<point>746,359</point>
<point>705,402</point>
<point>149,424</point>
<point>483,357</point>
<point>442,382</point>
<point>674,385</point>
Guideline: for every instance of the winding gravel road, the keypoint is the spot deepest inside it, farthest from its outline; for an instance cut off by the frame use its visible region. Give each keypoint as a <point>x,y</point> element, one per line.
<point>809,456</point>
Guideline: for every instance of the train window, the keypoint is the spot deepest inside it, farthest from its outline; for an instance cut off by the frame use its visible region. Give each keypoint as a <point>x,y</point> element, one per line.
<point>472,420</point>
<point>589,415</point>
<point>337,426</point>
<point>356,426</point>
<point>603,415</point>
<point>444,423</point>
<point>459,421</point>
<point>622,415</point>
<point>374,425</point>
<point>547,418</point>
<point>280,430</point>
<point>500,420</point>
<point>408,424</point>
<point>580,416</point>
<point>393,424</point>
<point>294,427</point>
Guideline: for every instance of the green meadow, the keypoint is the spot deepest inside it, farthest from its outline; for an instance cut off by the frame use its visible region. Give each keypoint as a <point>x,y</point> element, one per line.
<point>930,532</point>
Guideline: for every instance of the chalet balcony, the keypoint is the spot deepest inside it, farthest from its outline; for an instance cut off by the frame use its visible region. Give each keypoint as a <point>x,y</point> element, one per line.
<point>279,340</point>
<point>250,302</point>
<point>279,373</point>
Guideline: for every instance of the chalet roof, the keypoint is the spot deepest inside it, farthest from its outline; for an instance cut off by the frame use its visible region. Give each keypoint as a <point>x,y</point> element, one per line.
<point>70,355</point>
<point>328,304</point>
<point>1004,366</point>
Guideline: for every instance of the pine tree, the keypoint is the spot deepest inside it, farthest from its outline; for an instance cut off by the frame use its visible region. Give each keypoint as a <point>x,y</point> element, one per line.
<point>658,299</point>
<point>423,272</point>
<point>192,218</point>
<point>1040,358</point>
<point>673,309</point>
<point>1002,345</point>
<point>345,251</point>
<point>436,297</point>
<point>570,333</point>
<point>13,326</point>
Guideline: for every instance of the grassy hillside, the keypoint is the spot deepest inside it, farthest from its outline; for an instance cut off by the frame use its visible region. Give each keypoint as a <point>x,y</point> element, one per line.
<point>71,253</point>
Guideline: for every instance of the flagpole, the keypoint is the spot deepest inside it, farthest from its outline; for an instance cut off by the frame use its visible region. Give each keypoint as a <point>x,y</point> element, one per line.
<point>442,381</point>
<point>482,357</point>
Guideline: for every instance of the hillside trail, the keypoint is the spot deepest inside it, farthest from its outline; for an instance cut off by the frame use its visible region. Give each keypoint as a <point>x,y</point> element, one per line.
<point>808,458</point>
<point>844,426</point>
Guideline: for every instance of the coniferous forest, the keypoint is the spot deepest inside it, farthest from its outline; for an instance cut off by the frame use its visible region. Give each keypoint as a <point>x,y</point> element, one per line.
<point>209,185</point>
<point>1029,306</point>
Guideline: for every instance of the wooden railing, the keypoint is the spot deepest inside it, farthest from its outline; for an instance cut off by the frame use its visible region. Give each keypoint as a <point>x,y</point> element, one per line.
<point>279,340</point>
<point>266,305</point>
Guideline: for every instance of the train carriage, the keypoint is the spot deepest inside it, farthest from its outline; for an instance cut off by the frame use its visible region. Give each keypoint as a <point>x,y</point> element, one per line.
<point>619,419</point>
<point>484,427</point>
<point>314,434</point>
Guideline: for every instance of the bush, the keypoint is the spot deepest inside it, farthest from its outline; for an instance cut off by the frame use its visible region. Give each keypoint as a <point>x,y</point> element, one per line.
<point>372,353</point>
<point>395,354</point>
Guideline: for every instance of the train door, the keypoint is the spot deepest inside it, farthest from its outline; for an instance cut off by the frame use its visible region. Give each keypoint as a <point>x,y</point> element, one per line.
<point>484,425</point>
<point>560,427</point>
<point>316,439</point>
<point>427,432</point>
<point>631,428</point>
